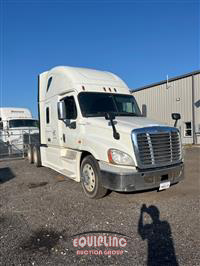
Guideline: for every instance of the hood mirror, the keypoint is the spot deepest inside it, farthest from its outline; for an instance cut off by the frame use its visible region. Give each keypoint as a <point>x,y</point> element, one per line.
<point>176,117</point>
<point>111,117</point>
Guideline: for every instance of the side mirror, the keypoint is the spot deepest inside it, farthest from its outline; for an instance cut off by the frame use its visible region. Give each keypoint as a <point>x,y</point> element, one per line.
<point>61,110</point>
<point>176,117</point>
<point>109,116</point>
<point>144,110</point>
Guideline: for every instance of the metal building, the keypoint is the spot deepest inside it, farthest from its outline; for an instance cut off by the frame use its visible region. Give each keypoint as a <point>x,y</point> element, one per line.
<point>180,94</point>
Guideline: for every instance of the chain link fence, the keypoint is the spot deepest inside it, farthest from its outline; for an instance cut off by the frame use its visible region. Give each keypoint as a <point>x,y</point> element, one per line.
<point>14,143</point>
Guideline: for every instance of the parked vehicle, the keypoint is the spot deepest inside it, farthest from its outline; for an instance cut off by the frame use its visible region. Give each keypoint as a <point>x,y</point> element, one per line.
<point>92,131</point>
<point>17,128</point>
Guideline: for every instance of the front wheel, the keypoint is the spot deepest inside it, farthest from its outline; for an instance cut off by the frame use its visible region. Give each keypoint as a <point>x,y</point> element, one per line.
<point>91,178</point>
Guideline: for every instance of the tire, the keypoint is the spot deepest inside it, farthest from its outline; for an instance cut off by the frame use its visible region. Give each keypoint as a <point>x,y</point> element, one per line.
<point>36,156</point>
<point>91,178</point>
<point>30,154</point>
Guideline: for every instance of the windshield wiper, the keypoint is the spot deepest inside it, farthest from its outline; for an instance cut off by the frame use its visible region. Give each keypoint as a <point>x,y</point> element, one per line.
<point>96,114</point>
<point>126,114</point>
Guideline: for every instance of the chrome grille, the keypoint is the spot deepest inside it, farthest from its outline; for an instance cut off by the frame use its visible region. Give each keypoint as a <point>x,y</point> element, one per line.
<point>157,147</point>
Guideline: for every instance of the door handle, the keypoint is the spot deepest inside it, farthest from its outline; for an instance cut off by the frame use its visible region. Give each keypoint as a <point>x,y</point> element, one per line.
<point>49,139</point>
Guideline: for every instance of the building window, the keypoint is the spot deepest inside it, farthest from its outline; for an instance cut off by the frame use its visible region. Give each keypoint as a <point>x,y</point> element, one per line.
<point>188,129</point>
<point>49,83</point>
<point>47,115</point>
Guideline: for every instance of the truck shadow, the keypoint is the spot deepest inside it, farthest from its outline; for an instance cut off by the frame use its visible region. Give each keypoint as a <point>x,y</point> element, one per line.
<point>6,174</point>
<point>159,238</point>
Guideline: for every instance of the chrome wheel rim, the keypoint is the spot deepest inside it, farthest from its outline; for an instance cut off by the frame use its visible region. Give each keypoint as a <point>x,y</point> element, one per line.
<point>88,177</point>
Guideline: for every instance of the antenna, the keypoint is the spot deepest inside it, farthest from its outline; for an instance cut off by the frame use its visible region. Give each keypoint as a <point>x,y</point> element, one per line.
<point>167,83</point>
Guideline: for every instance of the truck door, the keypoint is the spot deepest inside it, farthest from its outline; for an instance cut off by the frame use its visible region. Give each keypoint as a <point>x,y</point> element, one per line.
<point>51,133</point>
<point>70,128</point>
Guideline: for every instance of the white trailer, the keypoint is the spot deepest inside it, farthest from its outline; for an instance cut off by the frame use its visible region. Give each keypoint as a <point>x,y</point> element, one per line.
<point>17,127</point>
<point>92,131</point>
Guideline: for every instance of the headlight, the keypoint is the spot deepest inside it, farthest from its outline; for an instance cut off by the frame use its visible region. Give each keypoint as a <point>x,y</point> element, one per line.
<point>119,157</point>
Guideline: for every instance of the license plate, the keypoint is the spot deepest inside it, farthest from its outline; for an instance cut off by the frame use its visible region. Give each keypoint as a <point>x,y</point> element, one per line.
<point>164,185</point>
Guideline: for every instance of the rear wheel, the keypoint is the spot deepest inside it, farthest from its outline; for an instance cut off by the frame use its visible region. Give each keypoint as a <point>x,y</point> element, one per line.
<point>30,154</point>
<point>91,178</point>
<point>36,156</point>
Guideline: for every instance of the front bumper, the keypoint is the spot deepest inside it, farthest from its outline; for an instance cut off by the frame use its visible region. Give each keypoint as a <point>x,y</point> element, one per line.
<point>126,180</point>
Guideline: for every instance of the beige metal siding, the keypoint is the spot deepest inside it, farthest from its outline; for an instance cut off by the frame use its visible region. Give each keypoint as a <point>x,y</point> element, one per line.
<point>162,100</point>
<point>197,105</point>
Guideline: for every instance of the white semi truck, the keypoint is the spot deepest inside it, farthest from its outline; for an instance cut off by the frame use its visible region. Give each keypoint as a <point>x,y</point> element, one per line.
<point>92,131</point>
<point>17,128</point>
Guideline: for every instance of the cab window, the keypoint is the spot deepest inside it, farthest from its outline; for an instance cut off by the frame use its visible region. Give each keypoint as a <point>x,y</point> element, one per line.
<point>49,83</point>
<point>71,110</point>
<point>47,115</point>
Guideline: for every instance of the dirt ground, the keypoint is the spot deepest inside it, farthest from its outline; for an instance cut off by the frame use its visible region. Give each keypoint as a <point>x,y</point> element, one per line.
<point>41,211</point>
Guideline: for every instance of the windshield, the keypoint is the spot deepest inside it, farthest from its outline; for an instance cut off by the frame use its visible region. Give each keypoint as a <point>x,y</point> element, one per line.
<point>23,123</point>
<point>97,104</point>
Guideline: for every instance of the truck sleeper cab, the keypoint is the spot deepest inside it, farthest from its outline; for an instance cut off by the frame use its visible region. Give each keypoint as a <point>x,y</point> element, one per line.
<point>92,131</point>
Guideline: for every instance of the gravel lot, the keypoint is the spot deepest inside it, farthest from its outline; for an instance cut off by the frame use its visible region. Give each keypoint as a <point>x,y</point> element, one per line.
<point>41,210</point>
